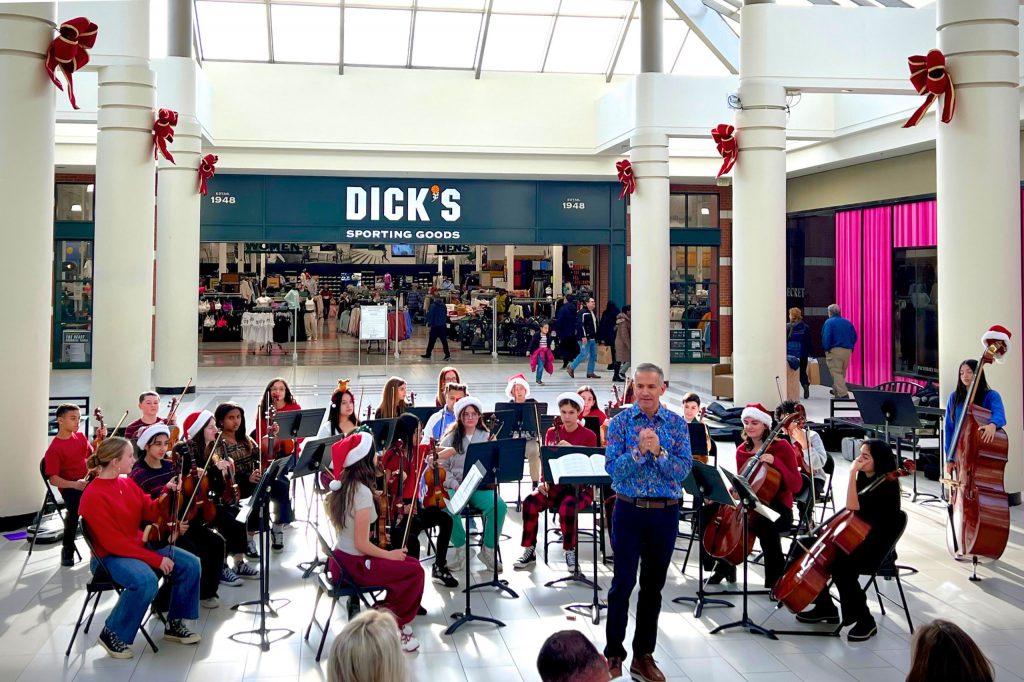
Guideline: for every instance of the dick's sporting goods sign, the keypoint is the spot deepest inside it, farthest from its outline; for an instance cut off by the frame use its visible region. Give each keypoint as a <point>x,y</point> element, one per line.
<point>401,204</point>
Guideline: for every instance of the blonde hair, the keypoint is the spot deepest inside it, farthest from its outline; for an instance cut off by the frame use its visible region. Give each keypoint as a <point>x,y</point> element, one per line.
<point>109,450</point>
<point>368,649</point>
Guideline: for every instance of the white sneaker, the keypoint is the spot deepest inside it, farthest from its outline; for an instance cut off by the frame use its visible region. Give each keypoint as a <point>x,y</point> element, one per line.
<point>407,630</point>
<point>409,643</point>
<point>487,556</point>
<point>458,560</point>
<point>570,559</point>
<point>211,603</point>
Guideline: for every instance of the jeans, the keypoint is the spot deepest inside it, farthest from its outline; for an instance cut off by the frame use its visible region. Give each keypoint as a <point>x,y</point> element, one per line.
<point>589,351</point>
<point>140,582</point>
<point>540,373</point>
<point>484,501</point>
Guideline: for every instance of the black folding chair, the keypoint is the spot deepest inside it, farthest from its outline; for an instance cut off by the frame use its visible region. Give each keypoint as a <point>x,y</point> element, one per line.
<point>827,499</point>
<point>345,587</point>
<point>101,582</point>
<point>50,501</point>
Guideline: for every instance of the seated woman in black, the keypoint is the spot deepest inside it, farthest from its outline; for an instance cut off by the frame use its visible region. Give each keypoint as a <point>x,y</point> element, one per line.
<point>877,502</point>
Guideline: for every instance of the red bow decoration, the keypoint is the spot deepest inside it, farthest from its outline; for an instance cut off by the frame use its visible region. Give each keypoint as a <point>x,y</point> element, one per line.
<point>68,51</point>
<point>163,132</point>
<point>626,177</point>
<point>929,77</point>
<point>206,171</point>
<point>724,136</point>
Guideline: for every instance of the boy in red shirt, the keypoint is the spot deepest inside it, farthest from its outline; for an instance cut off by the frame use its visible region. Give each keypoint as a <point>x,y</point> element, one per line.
<point>65,468</point>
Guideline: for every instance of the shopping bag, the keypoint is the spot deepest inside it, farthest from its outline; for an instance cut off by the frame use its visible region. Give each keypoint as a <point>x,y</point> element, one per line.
<point>604,355</point>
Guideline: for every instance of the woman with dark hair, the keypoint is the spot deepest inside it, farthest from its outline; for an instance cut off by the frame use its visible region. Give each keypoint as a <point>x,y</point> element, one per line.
<point>447,375</point>
<point>941,650</point>
<point>811,455</point>
<point>984,397</point>
<point>279,395</point>
<point>565,329</point>
<point>606,329</point>
<point>877,503</point>
<point>392,399</point>
<point>341,417</point>
<point>241,451</point>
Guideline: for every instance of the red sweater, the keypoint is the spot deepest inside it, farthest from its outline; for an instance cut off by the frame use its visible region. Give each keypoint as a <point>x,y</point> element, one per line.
<point>114,508</point>
<point>66,457</point>
<point>785,463</point>
<point>582,436</point>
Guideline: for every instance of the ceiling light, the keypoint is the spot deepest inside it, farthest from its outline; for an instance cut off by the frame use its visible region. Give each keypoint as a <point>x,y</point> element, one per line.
<point>705,211</point>
<point>88,188</point>
<point>76,208</point>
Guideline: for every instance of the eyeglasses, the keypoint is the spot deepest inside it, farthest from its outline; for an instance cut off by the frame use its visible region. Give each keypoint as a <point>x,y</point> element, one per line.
<point>471,415</point>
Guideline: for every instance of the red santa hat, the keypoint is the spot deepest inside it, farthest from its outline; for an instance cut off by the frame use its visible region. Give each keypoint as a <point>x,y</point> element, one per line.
<point>517,379</point>
<point>196,422</point>
<point>997,332</point>
<point>347,452</point>
<point>759,412</point>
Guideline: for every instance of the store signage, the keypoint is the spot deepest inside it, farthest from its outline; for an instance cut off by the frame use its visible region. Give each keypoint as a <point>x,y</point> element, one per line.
<point>453,250</point>
<point>795,292</point>
<point>399,236</point>
<point>222,198</point>
<point>373,322</point>
<point>398,204</point>
<point>574,204</point>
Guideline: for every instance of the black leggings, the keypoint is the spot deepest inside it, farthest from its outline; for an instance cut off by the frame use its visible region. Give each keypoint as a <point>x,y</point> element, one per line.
<point>426,517</point>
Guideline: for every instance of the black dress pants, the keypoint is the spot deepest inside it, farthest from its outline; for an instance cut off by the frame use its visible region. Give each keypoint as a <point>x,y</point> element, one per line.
<point>438,333</point>
<point>71,499</point>
<point>426,517</point>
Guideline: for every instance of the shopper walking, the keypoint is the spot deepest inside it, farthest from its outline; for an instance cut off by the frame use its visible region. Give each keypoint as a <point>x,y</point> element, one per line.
<point>623,342</point>
<point>838,338</point>
<point>565,329</point>
<point>588,336</point>
<point>606,329</point>
<point>437,320</point>
<point>798,345</point>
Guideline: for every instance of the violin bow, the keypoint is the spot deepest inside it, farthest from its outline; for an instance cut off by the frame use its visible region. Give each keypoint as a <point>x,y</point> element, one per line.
<point>121,422</point>
<point>181,397</point>
<point>408,518</point>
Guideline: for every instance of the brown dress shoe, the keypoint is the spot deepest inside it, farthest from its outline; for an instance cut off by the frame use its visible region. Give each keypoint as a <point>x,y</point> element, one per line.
<point>614,667</point>
<point>643,667</point>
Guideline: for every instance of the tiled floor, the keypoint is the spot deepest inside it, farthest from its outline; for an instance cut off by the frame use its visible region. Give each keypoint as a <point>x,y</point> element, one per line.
<point>39,601</point>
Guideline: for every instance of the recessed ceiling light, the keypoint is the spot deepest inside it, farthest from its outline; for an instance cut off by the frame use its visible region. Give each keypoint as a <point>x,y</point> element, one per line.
<point>76,208</point>
<point>705,211</point>
<point>88,188</point>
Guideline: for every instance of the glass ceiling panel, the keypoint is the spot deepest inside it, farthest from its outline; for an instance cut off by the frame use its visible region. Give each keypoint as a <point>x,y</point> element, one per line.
<point>450,4</point>
<point>376,36</point>
<point>446,39</point>
<point>516,43</point>
<point>378,3</point>
<point>697,60</point>
<point>306,34</point>
<point>582,45</point>
<point>233,30</point>
<point>596,8</point>
<point>525,6</point>
<point>672,39</point>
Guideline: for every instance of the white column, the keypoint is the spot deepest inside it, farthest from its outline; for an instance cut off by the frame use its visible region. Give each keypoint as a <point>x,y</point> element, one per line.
<point>479,257</point>
<point>177,234</point>
<point>557,257</point>
<point>222,247</point>
<point>456,270</point>
<point>759,240</point>
<point>123,281</point>
<point>649,240</point>
<point>510,266</point>
<point>978,189</point>
<point>26,194</point>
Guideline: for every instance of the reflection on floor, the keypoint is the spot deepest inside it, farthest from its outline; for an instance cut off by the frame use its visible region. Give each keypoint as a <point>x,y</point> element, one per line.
<point>39,601</point>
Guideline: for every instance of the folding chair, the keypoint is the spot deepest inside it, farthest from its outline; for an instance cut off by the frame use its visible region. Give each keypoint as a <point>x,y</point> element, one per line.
<point>101,582</point>
<point>345,587</point>
<point>827,499</point>
<point>49,500</point>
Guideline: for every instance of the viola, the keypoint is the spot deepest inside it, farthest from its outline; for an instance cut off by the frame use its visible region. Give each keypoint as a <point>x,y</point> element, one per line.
<point>806,577</point>
<point>101,428</point>
<point>556,426</point>
<point>434,478</point>
<point>393,462</point>
<point>380,499</point>
<point>978,523</point>
<point>723,538</point>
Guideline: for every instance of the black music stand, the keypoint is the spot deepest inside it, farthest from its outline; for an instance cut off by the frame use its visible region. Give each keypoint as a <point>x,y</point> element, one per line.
<point>893,409</point>
<point>311,462</point>
<point>502,461</point>
<point>423,413</point>
<point>522,418</point>
<point>748,501</point>
<point>704,483</point>
<point>298,424</point>
<point>548,453</point>
<point>383,431</point>
<point>594,424</point>
<point>503,417</point>
<point>260,502</point>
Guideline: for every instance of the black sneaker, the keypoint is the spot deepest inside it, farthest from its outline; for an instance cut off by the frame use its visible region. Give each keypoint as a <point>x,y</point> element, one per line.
<point>425,356</point>
<point>114,646</point>
<point>251,550</point>
<point>570,371</point>
<point>819,615</point>
<point>724,572</point>
<point>443,576</point>
<point>528,559</point>
<point>447,357</point>
<point>67,558</point>
<point>862,631</point>
<point>277,540</point>
<point>177,632</point>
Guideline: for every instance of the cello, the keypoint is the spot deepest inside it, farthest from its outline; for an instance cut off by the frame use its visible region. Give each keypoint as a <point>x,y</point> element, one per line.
<point>978,523</point>
<point>723,538</point>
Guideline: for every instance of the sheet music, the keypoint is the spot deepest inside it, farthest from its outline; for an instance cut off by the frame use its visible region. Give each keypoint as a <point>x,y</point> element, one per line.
<point>577,464</point>
<point>470,482</point>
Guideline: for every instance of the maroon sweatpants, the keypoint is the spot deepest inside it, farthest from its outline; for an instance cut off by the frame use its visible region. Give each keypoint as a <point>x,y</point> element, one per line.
<point>403,581</point>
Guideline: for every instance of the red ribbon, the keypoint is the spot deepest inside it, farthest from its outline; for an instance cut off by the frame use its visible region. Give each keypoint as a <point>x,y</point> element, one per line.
<point>724,136</point>
<point>929,77</point>
<point>626,177</point>
<point>163,133</point>
<point>206,171</point>
<point>68,51</point>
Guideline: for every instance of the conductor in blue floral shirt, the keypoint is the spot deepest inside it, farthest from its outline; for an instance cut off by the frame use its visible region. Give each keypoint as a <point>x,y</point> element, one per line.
<point>648,457</point>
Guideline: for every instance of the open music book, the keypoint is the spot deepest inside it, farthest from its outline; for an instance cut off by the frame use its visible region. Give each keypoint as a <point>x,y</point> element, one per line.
<point>470,482</point>
<point>577,465</point>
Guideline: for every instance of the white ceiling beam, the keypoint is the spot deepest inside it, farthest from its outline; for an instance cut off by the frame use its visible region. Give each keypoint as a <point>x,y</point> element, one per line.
<point>711,28</point>
<point>619,42</point>
<point>481,43</point>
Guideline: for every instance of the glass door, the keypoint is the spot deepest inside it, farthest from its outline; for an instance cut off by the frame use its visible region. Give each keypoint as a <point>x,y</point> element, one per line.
<point>693,312</point>
<point>72,304</point>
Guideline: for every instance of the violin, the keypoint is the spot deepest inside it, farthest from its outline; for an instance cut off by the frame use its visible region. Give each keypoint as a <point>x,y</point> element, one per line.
<point>172,412</point>
<point>723,538</point>
<point>393,462</point>
<point>806,577</point>
<point>101,429</point>
<point>166,523</point>
<point>380,499</point>
<point>978,523</point>
<point>434,478</point>
<point>618,399</point>
<point>556,427</point>
<point>195,485</point>
<point>412,399</point>
<point>231,494</point>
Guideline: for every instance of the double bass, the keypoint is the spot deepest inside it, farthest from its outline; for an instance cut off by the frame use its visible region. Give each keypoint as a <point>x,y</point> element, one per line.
<point>723,538</point>
<point>978,523</point>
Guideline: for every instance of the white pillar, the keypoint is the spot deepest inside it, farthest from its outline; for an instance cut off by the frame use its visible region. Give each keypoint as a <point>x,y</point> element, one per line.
<point>177,234</point>
<point>456,270</point>
<point>557,257</point>
<point>479,260</point>
<point>26,194</point>
<point>649,245</point>
<point>510,266</point>
<point>759,240</point>
<point>978,190</point>
<point>125,178</point>
<point>222,247</point>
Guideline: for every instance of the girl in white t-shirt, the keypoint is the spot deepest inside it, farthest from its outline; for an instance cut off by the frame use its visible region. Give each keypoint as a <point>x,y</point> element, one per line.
<point>351,509</point>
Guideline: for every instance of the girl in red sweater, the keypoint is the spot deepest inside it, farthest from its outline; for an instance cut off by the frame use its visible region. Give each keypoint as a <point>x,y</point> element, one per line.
<point>114,508</point>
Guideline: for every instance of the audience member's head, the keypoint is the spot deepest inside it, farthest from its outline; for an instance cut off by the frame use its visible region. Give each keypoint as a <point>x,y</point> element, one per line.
<point>942,651</point>
<point>568,656</point>
<point>368,649</point>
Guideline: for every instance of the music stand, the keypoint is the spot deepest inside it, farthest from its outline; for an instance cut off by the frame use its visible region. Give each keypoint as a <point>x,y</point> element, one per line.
<point>383,430</point>
<point>546,422</point>
<point>749,502</point>
<point>704,483</point>
<point>311,462</point>
<point>299,424</point>
<point>260,500</point>
<point>548,453</point>
<point>594,424</point>
<point>423,413</point>
<point>523,417</point>
<point>503,417</point>
<point>502,461</point>
<point>892,409</point>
